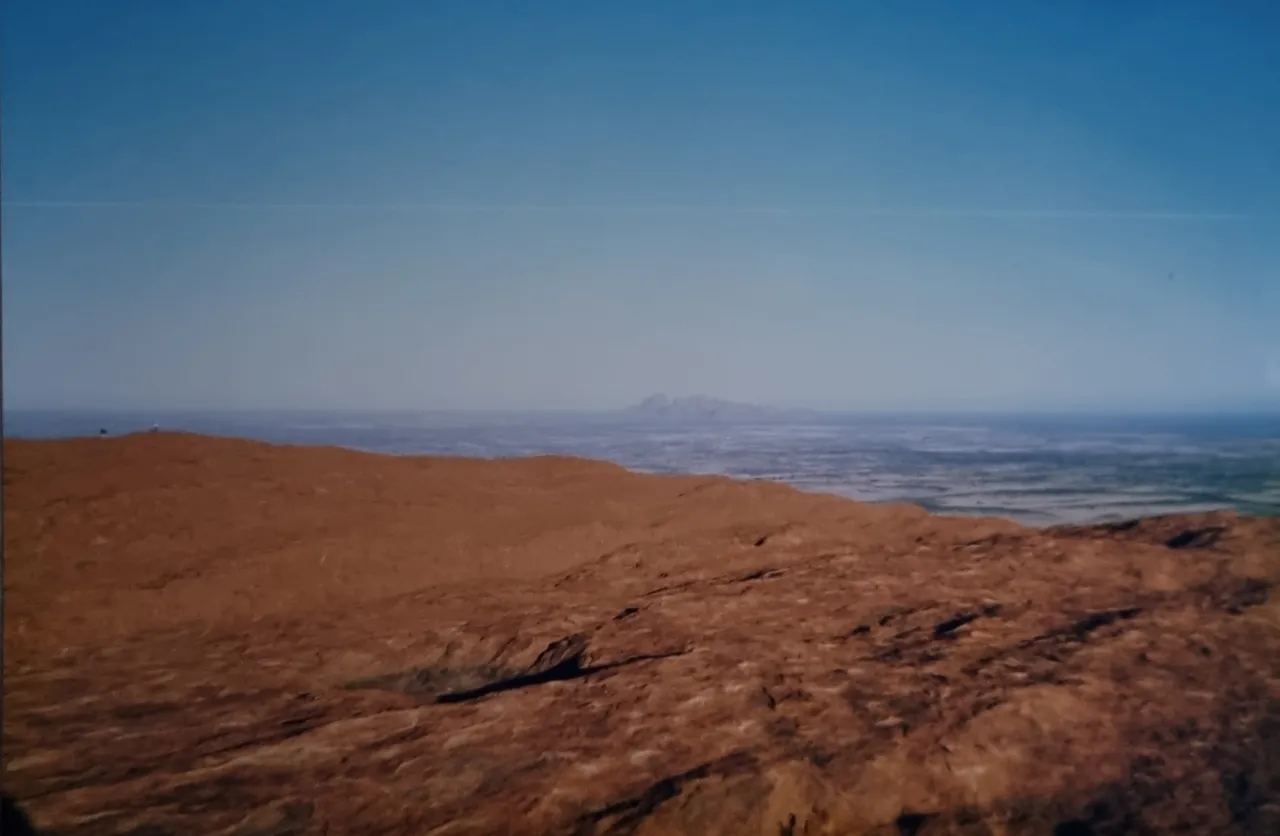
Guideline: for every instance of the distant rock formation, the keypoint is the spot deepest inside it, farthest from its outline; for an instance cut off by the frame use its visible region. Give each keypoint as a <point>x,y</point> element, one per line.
<point>702,407</point>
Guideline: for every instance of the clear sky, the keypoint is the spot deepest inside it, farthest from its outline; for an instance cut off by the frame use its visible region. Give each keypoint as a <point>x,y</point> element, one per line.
<point>856,204</point>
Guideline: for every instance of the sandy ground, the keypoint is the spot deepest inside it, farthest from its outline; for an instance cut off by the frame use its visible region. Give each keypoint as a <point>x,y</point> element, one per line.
<point>219,636</point>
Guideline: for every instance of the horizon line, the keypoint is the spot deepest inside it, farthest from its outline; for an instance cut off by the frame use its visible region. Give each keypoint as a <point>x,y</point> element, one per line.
<point>779,411</point>
<point>569,208</point>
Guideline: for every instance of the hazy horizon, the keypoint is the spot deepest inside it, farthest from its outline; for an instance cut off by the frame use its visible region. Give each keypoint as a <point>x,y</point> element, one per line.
<point>1035,469</point>
<point>489,206</point>
<point>787,414</point>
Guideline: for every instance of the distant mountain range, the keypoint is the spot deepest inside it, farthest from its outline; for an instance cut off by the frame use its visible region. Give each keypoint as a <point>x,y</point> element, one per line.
<point>702,407</point>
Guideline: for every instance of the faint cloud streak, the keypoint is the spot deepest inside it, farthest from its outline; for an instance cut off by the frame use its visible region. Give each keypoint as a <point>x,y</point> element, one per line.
<point>642,209</point>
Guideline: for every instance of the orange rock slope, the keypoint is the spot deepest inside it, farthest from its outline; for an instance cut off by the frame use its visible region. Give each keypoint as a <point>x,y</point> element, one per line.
<point>219,636</point>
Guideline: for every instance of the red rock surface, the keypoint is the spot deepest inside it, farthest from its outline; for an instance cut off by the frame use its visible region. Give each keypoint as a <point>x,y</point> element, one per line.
<point>219,636</point>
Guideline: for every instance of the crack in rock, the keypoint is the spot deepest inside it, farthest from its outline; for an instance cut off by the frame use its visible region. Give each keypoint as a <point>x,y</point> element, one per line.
<point>1196,538</point>
<point>1241,595</point>
<point>625,816</point>
<point>562,660</point>
<point>562,671</point>
<point>947,629</point>
<point>1058,644</point>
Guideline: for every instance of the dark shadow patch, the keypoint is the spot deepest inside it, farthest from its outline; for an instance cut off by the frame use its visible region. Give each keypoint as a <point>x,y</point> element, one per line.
<point>560,661</point>
<point>561,672</point>
<point>1196,538</point>
<point>1251,592</point>
<point>947,629</point>
<point>1122,526</point>
<point>666,590</point>
<point>1094,621</point>
<point>901,646</point>
<point>624,817</point>
<point>13,820</point>
<point>428,682</point>
<point>626,613</point>
<point>818,758</point>
<point>758,575</point>
<point>1073,827</point>
<point>910,824</point>
<point>1055,646</point>
<point>891,615</point>
<point>1243,799</point>
<point>767,573</point>
<point>922,644</point>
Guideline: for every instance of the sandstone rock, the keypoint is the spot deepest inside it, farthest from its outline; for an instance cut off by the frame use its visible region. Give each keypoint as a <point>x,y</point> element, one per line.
<point>199,640</point>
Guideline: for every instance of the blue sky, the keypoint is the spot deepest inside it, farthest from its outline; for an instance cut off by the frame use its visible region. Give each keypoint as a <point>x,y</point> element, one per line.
<point>432,204</point>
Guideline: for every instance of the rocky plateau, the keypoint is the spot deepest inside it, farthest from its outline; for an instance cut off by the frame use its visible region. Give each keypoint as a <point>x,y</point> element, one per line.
<point>215,636</point>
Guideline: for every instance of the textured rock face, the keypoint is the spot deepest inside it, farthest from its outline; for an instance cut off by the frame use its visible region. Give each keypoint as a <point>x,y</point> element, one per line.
<point>210,636</point>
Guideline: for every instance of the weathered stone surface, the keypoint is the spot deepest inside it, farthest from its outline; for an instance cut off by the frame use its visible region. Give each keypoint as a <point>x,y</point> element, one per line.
<point>216,636</point>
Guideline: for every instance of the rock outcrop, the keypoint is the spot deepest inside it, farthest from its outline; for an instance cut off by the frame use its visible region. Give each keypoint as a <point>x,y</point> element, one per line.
<point>704,408</point>
<point>216,636</point>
